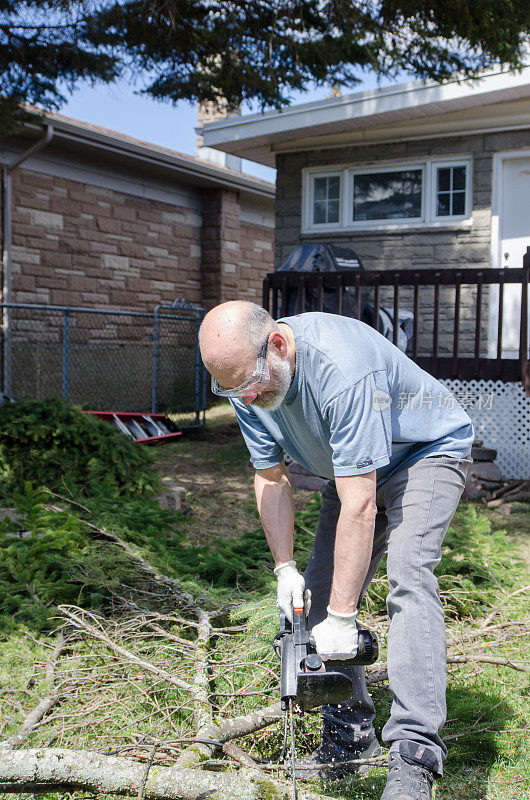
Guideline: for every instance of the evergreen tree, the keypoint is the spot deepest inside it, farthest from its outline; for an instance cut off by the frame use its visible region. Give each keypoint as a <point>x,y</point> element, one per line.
<point>246,50</point>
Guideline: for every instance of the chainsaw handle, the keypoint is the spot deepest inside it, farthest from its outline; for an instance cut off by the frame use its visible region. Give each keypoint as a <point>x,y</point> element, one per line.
<point>367,650</point>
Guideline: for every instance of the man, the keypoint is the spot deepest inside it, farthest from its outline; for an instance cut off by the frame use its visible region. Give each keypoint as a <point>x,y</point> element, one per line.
<point>345,403</point>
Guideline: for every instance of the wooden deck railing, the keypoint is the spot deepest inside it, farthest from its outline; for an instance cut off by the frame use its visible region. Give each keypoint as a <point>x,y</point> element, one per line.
<point>437,342</point>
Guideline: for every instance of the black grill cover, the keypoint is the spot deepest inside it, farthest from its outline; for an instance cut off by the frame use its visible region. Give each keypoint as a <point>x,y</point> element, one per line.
<point>332,258</point>
<point>320,258</point>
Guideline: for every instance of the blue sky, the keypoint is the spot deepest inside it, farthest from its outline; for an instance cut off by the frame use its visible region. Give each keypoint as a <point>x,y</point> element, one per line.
<point>118,107</point>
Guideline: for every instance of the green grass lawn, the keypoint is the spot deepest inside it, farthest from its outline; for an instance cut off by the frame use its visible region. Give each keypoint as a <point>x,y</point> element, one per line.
<point>215,548</point>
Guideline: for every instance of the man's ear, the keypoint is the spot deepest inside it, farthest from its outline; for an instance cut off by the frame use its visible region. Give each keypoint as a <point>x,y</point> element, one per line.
<point>278,341</point>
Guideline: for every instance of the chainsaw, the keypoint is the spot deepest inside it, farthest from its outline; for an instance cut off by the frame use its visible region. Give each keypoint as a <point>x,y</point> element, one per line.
<point>306,681</point>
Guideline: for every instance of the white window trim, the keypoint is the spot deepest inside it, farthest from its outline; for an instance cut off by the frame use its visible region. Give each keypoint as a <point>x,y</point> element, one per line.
<point>347,171</point>
<point>465,162</point>
<point>310,188</point>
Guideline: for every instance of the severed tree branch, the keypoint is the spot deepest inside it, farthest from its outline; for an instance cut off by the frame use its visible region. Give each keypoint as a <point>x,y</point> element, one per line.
<point>33,718</point>
<point>78,620</point>
<point>202,710</point>
<point>203,714</point>
<point>44,770</point>
<point>476,658</point>
<point>44,706</point>
<point>496,610</point>
<point>233,751</point>
<point>480,658</point>
<point>180,594</point>
<point>41,771</point>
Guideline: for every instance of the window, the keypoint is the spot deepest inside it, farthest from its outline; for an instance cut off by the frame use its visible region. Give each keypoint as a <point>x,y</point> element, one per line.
<point>387,195</point>
<point>326,199</point>
<point>451,191</point>
<point>429,192</point>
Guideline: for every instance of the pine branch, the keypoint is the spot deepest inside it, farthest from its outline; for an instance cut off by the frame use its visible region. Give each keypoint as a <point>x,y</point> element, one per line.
<point>48,769</point>
<point>481,658</point>
<point>202,710</point>
<point>43,770</point>
<point>180,594</point>
<point>496,610</point>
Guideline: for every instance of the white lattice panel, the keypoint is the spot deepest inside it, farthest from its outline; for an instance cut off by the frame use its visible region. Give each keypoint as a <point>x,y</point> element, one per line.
<point>501,416</point>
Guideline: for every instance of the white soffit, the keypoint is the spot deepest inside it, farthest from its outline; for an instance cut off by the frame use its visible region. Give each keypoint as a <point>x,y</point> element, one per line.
<point>408,109</point>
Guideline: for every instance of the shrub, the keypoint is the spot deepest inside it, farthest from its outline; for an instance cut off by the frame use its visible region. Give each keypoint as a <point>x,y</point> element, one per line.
<point>55,445</point>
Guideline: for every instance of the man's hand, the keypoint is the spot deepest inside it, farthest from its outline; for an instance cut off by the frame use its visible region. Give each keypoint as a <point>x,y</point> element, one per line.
<point>337,636</point>
<point>291,589</point>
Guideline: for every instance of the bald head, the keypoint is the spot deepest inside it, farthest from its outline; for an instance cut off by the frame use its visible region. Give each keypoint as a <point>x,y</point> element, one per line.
<point>232,334</point>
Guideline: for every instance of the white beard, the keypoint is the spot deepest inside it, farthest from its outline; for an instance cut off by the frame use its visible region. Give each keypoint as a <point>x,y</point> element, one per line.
<point>271,399</point>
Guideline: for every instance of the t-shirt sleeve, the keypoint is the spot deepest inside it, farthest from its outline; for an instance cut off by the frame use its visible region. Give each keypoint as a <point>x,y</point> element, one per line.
<point>360,426</point>
<point>264,450</point>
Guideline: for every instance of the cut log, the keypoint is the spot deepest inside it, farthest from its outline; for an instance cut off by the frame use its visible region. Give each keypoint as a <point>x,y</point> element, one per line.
<point>479,472</point>
<point>44,770</point>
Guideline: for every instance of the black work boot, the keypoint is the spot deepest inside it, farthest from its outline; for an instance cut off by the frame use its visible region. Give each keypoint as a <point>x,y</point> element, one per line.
<point>339,758</point>
<point>407,779</point>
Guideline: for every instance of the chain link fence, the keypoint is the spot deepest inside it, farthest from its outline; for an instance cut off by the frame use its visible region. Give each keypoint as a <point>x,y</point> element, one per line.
<point>107,360</point>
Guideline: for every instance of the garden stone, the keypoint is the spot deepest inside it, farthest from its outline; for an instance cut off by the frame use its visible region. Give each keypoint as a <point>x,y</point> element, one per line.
<point>171,499</point>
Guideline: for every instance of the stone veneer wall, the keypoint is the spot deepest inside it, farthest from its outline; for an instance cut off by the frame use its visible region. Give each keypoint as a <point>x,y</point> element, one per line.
<point>408,249</point>
<point>413,249</point>
<point>256,260</point>
<point>236,255</point>
<point>81,245</point>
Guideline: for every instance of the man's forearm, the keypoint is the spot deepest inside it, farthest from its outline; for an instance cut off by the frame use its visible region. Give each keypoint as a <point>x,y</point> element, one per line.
<point>353,550</point>
<point>275,505</point>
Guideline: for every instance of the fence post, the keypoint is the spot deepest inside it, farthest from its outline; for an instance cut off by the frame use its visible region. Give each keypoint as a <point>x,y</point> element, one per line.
<point>156,335</point>
<point>7,351</point>
<point>66,347</point>
<point>523,342</point>
<point>198,369</point>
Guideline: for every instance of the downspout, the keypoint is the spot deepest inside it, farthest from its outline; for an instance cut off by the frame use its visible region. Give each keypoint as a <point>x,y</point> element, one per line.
<point>7,234</point>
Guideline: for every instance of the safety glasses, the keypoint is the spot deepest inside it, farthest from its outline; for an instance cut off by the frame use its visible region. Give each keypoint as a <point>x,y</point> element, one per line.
<point>260,376</point>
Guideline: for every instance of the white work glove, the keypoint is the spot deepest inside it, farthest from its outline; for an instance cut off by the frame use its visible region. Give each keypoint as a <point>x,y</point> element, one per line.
<point>291,589</point>
<point>336,637</point>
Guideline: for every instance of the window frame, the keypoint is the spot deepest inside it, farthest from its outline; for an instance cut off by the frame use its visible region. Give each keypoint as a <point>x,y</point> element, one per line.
<point>333,173</point>
<point>371,223</point>
<point>347,173</point>
<point>441,164</point>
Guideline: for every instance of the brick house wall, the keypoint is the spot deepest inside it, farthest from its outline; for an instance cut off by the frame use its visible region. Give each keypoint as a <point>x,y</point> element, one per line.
<point>117,235</point>
<point>236,254</point>
<point>256,256</point>
<point>81,245</point>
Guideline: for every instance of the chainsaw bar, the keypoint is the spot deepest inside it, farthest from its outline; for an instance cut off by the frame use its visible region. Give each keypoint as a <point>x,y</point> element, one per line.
<point>306,681</point>
<point>290,712</point>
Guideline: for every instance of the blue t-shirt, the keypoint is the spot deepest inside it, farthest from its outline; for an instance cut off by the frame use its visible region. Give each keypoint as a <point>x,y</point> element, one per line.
<point>356,404</point>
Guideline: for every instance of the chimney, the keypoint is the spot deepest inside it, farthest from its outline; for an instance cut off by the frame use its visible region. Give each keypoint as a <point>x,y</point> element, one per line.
<point>212,112</point>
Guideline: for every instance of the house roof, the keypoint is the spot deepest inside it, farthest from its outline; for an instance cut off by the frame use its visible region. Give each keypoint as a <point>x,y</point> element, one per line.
<point>111,145</point>
<point>498,101</point>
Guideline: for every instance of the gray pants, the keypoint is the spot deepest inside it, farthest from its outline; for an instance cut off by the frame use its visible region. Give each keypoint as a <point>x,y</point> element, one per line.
<point>415,506</point>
